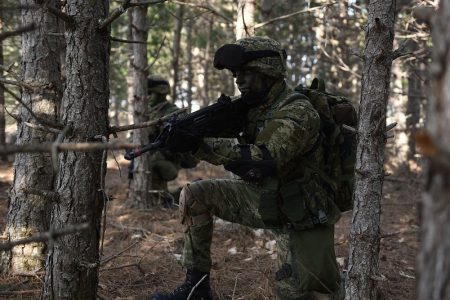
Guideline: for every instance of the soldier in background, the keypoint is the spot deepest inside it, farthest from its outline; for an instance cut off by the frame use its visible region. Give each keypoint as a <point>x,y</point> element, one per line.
<point>164,165</point>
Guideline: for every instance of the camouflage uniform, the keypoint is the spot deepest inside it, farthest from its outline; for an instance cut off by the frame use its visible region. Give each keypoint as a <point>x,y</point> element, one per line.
<point>164,165</point>
<point>296,204</point>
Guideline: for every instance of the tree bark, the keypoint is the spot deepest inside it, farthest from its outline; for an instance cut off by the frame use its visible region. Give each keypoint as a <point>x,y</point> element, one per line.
<point>189,28</point>
<point>433,259</point>
<point>72,263</point>
<point>176,50</point>
<point>129,78</point>
<point>29,213</point>
<point>362,271</point>
<point>142,176</point>
<point>2,96</point>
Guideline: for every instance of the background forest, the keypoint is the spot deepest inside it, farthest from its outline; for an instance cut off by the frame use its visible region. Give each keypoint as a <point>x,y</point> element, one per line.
<point>45,54</point>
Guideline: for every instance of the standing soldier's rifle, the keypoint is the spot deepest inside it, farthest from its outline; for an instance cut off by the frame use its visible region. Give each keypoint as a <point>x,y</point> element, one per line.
<point>184,133</point>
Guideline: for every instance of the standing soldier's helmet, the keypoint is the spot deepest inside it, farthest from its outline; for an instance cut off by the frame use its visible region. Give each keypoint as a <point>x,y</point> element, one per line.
<point>260,54</point>
<point>157,84</point>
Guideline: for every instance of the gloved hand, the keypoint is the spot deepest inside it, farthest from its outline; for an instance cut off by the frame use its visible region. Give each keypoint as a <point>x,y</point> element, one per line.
<point>180,140</point>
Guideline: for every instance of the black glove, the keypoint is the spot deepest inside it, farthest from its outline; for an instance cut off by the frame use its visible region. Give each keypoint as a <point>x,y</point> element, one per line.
<point>180,140</point>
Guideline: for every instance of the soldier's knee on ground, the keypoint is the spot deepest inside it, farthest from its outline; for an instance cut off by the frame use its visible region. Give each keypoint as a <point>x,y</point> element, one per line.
<point>192,212</point>
<point>164,169</point>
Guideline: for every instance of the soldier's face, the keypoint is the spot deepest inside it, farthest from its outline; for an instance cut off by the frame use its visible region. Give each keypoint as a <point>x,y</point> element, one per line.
<point>250,82</point>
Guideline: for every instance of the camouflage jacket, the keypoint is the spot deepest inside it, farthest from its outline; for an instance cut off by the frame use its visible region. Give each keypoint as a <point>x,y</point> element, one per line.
<point>289,127</point>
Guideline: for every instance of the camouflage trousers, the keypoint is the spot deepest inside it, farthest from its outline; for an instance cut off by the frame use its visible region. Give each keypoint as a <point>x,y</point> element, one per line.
<point>306,260</point>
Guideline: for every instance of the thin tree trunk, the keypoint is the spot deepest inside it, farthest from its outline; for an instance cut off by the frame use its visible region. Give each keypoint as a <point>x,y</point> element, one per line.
<point>245,21</point>
<point>142,176</point>
<point>29,212</point>
<point>2,96</point>
<point>176,50</point>
<point>72,263</point>
<point>207,63</point>
<point>434,259</point>
<point>189,28</point>
<point>129,78</point>
<point>362,271</point>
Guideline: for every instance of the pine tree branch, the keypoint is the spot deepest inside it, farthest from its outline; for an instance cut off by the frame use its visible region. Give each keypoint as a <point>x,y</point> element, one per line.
<point>58,13</point>
<point>126,41</point>
<point>77,147</point>
<point>46,236</point>
<point>122,9</point>
<point>45,122</point>
<point>114,129</point>
<point>292,15</point>
<point>206,7</point>
<point>18,31</point>
<point>115,14</point>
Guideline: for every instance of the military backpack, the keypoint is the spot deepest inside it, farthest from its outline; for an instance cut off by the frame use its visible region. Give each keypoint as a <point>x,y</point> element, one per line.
<point>338,136</point>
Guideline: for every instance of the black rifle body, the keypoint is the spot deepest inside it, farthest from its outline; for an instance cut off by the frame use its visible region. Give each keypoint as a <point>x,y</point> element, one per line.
<point>225,118</point>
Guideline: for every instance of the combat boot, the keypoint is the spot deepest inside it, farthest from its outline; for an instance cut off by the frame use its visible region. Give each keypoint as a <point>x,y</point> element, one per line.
<point>201,292</point>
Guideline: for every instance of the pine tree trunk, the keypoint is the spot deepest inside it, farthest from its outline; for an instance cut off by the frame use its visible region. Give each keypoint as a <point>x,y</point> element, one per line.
<point>129,78</point>
<point>29,210</point>
<point>142,176</point>
<point>176,50</point>
<point>362,271</point>
<point>206,63</point>
<point>2,96</point>
<point>189,28</point>
<point>72,263</point>
<point>414,104</point>
<point>434,259</point>
<point>245,21</point>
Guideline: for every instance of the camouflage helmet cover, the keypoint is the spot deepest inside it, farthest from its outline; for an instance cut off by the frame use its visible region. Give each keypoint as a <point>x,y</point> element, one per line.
<point>274,66</point>
<point>157,84</point>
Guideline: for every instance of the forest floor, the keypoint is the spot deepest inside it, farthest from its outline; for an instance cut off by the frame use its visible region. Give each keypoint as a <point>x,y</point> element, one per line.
<point>141,248</point>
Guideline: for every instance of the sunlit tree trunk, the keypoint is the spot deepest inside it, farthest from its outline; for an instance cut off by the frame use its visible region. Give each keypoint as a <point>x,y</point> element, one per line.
<point>142,175</point>
<point>363,269</point>
<point>72,263</point>
<point>207,63</point>
<point>176,51</point>
<point>33,175</point>
<point>434,259</point>
<point>245,20</point>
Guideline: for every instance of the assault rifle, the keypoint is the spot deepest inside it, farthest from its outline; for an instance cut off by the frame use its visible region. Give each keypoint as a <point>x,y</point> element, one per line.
<point>225,118</point>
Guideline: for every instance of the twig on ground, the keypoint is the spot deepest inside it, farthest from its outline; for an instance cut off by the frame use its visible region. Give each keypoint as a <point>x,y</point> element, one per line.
<point>129,228</point>
<point>235,284</point>
<point>108,259</point>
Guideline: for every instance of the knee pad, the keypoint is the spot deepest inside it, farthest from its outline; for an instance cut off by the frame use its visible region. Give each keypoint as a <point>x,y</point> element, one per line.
<point>192,212</point>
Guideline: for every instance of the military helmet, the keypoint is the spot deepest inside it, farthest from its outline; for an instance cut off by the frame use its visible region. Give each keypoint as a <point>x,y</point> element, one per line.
<point>261,54</point>
<point>157,84</point>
